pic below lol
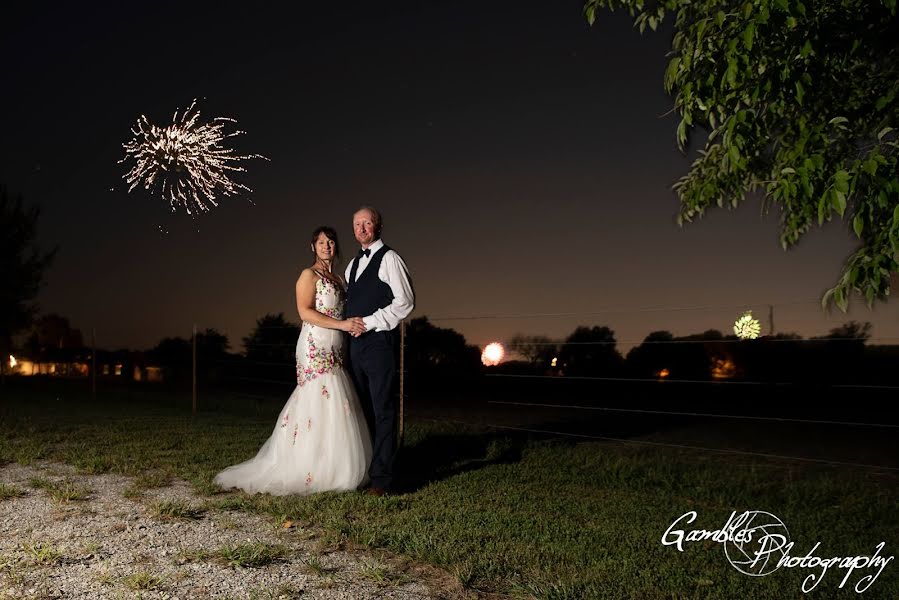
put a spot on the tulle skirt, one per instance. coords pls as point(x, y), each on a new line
point(320, 443)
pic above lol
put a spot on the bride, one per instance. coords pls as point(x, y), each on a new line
point(320, 441)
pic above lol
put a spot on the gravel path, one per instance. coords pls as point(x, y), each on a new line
point(54, 544)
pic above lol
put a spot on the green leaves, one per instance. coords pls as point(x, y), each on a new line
point(838, 200)
point(765, 79)
point(870, 166)
point(841, 181)
point(806, 49)
point(749, 35)
point(682, 133)
point(671, 73)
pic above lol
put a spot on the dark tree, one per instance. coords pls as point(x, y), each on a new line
point(432, 350)
point(212, 344)
point(538, 350)
point(213, 359)
point(22, 267)
point(780, 358)
point(652, 356)
point(690, 357)
point(590, 351)
point(270, 349)
point(53, 331)
point(851, 331)
point(174, 355)
point(839, 355)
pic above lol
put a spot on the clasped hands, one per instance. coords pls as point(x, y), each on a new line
point(354, 326)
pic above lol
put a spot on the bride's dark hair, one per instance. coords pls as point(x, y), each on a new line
point(331, 235)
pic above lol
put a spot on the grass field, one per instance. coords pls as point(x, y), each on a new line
point(517, 515)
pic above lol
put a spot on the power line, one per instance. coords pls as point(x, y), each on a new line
point(610, 310)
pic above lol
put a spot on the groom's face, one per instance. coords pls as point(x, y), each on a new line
point(364, 227)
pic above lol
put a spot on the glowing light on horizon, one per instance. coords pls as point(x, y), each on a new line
point(493, 354)
point(186, 162)
point(723, 368)
point(747, 328)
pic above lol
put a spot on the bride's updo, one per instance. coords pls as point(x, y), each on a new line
point(331, 235)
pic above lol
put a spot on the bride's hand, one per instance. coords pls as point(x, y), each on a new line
point(354, 326)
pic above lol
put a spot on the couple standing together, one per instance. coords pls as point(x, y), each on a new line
point(338, 428)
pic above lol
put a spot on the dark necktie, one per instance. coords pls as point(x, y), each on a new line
point(366, 253)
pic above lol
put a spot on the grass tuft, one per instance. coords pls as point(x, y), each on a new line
point(40, 483)
point(315, 567)
point(43, 553)
point(61, 491)
point(252, 555)
point(68, 491)
point(10, 491)
point(176, 509)
point(143, 581)
point(381, 574)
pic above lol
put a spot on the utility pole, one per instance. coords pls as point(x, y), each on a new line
point(771, 319)
point(94, 363)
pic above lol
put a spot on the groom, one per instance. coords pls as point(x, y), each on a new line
point(379, 291)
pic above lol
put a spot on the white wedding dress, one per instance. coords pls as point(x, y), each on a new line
point(321, 441)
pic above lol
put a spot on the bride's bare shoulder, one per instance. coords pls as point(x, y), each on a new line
point(308, 275)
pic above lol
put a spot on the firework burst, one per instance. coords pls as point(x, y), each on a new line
point(746, 327)
point(493, 354)
point(186, 162)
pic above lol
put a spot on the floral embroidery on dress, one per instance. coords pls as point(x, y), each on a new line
point(286, 419)
point(321, 361)
point(296, 427)
point(346, 407)
point(309, 424)
point(335, 312)
point(309, 478)
point(325, 391)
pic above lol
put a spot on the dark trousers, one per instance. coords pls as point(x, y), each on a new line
point(373, 361)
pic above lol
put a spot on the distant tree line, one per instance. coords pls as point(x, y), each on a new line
point(432, 353)
point(842, 355)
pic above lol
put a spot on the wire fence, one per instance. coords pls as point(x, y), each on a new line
point(266, 363)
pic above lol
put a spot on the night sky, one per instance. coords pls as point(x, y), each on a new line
point(521, 160)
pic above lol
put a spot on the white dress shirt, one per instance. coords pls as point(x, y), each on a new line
point(394, 273)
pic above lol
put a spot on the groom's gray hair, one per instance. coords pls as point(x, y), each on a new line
point(375, 215)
